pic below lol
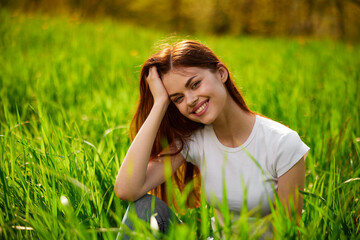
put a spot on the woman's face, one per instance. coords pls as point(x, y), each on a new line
point(198, 93)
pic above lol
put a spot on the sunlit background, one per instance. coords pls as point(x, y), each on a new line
point(69, 78)
point(316, 18)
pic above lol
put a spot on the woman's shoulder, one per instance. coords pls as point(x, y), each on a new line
point(281, 136)
point(277, 134)
point(273, 127)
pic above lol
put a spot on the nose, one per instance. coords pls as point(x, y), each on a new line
point(191, 99)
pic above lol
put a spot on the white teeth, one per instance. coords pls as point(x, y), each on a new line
point(201, 108)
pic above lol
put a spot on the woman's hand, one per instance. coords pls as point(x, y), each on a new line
point(157, 88)
point(136, 175)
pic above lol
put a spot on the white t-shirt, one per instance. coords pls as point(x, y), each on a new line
point(274, 147)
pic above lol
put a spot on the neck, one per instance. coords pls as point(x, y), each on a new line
point(233, 126)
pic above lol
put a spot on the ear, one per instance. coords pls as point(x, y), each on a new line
point(223, 72)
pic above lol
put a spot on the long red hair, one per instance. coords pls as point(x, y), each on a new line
point(174, 126)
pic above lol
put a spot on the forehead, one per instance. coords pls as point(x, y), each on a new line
point(183, 72)
point(176, 78)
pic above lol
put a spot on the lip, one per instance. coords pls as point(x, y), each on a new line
point(199, 105)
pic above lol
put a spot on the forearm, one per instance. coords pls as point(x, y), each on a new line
point(288, 189)
point(132, 173)
point(295, 202)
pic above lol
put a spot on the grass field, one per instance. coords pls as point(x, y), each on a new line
point(68, 91)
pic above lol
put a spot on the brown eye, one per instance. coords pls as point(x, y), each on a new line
point(195, 85)
point(178, 99)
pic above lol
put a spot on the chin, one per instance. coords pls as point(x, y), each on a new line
point(205, 121)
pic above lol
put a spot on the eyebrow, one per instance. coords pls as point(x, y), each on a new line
point(186, 85)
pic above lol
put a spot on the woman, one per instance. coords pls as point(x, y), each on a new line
point(188, 98)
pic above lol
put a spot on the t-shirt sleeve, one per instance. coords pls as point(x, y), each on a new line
point(290, 150)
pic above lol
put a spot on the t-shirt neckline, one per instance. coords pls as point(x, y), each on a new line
point(239, 148)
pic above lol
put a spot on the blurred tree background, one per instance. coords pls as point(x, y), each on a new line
point(338, 19)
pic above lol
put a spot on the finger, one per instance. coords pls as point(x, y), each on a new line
point(155, 73)
point(152, 71)
point(148, 73)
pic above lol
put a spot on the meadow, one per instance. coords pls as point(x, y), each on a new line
point(68, 89)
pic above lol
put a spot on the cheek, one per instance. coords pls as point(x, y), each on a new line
point(220, 90)
point(212, 89)
point(182, 109)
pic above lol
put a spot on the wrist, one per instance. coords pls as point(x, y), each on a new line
point(162, 103)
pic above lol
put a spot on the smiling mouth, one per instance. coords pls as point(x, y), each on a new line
point(200, 109)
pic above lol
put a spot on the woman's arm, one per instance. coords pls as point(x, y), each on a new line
point(136, 175)
point(289, 184)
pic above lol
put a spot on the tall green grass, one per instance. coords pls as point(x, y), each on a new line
point(69, 88)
